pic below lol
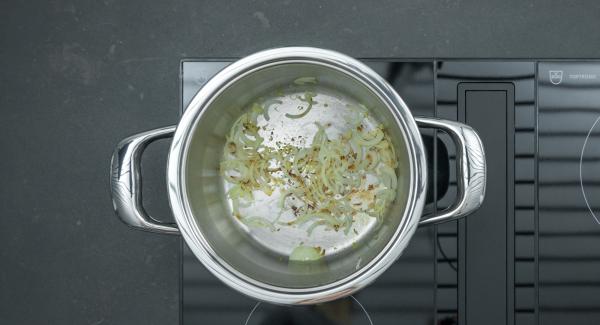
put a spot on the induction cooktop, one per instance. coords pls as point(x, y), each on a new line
point(530, 255)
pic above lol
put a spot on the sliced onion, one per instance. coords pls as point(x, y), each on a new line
point(312, 227)
point(258, 222)
point(323, 178)
point(389, 177)
point(308, 97)
point(267, 105)
point(306, 253)
point(305, 80)
point(369, 139)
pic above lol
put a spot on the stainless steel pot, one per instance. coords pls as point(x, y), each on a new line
point(203, 214)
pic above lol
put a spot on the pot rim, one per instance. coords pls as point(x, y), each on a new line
point(200, 245)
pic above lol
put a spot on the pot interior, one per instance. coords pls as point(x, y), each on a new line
point(262, 254)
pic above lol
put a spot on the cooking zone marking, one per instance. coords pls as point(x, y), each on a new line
point(580, 170)
point(353, 298)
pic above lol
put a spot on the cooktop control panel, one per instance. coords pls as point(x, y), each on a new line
point(530, 255)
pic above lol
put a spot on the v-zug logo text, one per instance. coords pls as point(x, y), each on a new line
point(556, 76)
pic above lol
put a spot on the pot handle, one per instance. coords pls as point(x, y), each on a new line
point(471, 169)
point(126, 181)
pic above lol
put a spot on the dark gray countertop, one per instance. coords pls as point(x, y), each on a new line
point(77, 76)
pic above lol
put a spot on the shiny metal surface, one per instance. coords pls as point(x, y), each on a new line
point(126, 182)
point(404, 294)
point(198, 201)
point(471, 169)
point(212, 237)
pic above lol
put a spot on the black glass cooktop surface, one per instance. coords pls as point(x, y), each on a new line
point(569, 193)
point(530, 255)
